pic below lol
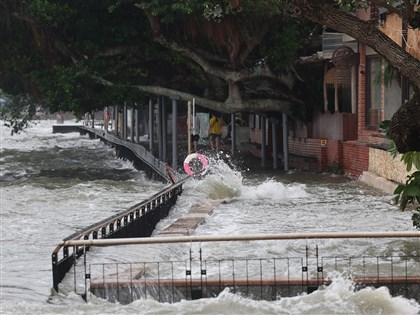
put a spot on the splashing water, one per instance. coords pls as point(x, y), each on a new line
point(340, 297)
point(43, 201)
point(225, 182)
point(222, 182)
point(271, 189)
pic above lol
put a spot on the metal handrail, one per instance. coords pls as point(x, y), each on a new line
point(122, 223)
point(138, 150)
point(249, 237)
point(98, 225)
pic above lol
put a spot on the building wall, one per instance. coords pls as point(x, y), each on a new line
point(393, 28)
point(356, 158)
point(255, 136)
point(384, 165)
point(314, 154)
point(413, 42)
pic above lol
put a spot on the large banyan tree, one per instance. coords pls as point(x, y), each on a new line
point(231, 56)
point(244, 51)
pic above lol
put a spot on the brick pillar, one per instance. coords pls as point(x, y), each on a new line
point(361, 95)
point(323, 158)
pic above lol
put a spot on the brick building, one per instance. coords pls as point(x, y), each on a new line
point(357, 98)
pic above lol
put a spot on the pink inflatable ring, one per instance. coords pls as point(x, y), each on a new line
point(191, 157)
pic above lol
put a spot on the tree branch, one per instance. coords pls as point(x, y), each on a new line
point(227, 107)
point(229, 76)
point(115, 51)
point(365, 33)
point(404, 14)
point(254, 40)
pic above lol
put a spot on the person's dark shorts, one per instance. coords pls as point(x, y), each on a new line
point(195, 137)
point(215, 135)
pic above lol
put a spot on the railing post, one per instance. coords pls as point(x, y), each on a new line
point(87, 276)
point(74, 267)
point(56, 279)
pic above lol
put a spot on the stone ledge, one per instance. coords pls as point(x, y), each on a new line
point(378, 182)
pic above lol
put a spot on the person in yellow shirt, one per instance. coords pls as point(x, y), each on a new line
point(215, 131)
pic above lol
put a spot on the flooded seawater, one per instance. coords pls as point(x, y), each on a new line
point(53, 185)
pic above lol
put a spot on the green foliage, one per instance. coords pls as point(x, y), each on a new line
point(63, 51)
point(409, 194)
point(282, 44)
point(411, 159)
point(171, 10)
point(384, 127)
point(50, 14)
point(387, 75)
point(416, 218)
point(18, 113)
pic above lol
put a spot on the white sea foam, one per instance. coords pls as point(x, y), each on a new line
point(271, 189)
point(337, 298)
point(37, 217)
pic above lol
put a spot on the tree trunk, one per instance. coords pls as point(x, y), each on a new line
point(404, 127)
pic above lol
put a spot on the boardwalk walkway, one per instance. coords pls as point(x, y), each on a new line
point(189, 222)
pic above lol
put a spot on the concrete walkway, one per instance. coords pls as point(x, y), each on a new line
point(189, 222)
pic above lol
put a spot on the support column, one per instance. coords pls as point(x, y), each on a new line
point(361, 96)
point(274, 139)
point(233, 133)
point(150, 126)
point(116, 119)
point(125, 122)
point(159, 126)
point(137, 115)
point(263, 135)
point(189, 126)
point(354, 89)
point(285, 143)
point(164, 131)
point(174, 133)
point(132, 124)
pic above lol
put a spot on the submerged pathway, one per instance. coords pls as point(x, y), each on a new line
point(189, 222)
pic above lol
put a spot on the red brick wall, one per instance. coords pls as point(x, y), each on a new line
point(356, 158)
point(305, 147)
point(255, 136)
point(307, 153)
point(324, 156)
point(335, 152)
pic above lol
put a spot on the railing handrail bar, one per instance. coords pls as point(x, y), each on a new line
point(116, 140)
point(111, 219)
point(249, 237)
